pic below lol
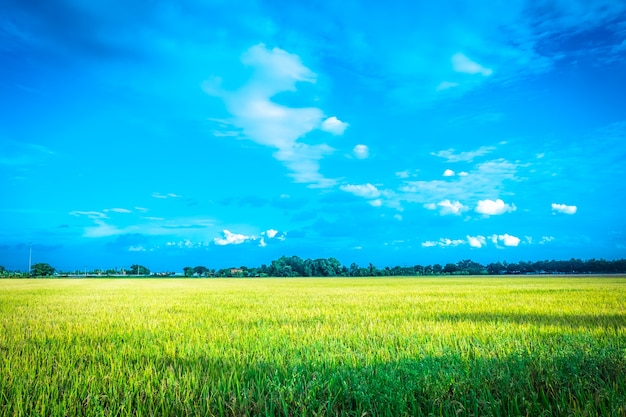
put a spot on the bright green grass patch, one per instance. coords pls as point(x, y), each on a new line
point(390, 347)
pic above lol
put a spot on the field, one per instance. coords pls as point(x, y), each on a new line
point(385, 347)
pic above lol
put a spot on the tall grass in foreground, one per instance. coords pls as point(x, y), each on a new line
point(388, 347)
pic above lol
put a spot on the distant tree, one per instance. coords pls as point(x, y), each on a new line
point(188, 271)
point(450, 269)
point(437, 269)
point(138, 270)
point(495, 268)
point(41, 270)
point(2, 270)
point(470, 267)
point(202, 271)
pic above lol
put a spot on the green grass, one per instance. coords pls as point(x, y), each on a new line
point(358, 347)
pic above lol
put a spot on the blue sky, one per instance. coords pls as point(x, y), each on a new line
point(174, 133)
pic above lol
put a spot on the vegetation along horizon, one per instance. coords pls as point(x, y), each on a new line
point(480, 346)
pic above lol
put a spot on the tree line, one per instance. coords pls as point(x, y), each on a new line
point(294, 266)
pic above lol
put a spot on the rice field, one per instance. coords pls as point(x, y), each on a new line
point(282, 347)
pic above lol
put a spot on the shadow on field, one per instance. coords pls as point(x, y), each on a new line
point(153, 382)
point(562, 320)
point(566, 384)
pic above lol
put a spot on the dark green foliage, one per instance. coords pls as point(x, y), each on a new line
point(138, 270)
point(41, 270)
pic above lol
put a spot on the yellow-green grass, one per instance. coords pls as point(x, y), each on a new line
point(402, 346)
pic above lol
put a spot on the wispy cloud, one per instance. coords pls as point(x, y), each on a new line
point(461, 63)
point(118, 210)
point(276, 125)
point(447, 207)
point(15, 153)
point(364, 190)
point(89, 214)
point(486, 180)
point(361, 151)
point(164, 196)
point(451, 155)
point(443, 242)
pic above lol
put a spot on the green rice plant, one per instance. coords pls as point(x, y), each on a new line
point(379, 347)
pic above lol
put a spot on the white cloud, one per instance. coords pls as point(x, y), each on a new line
point(476, 241)
point(565, 209)
point(508, 240)
point(271, 233)
point(451, 156)
point(398, 217)
point(443, 242)
point(448, 173)
point(118, 210)
point(546, 239)
point(494, 208)
point(407, 173)
point(231, 238)
point(334, 126)
point(90, 214)
point(303, 161)
point(485, 180)
point(447, 207)
point(463, 174)
point(361, 151)
point(141, 209)
point(262, 243)
point(137, 248)
point(364, 190)
point(376, 203)
point(164, 196)
point(461, 63)
point(275, 125)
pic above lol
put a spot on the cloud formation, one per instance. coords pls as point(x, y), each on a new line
point(164, 196)
point(506, 239)
point(480, 241)
point(334, 126)
point(230, 238)
point(451, 155)
point(461, 63)
point(278, 126)
point(494, 208)
point(365, 190)
point(361, 151)
point(447, 207)
point(476, 241)
point(563, 208)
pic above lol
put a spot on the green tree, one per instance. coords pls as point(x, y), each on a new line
point(188, 271)
point(202, 271)
point(41, 270)
point(450, 269)
point(138, 270)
